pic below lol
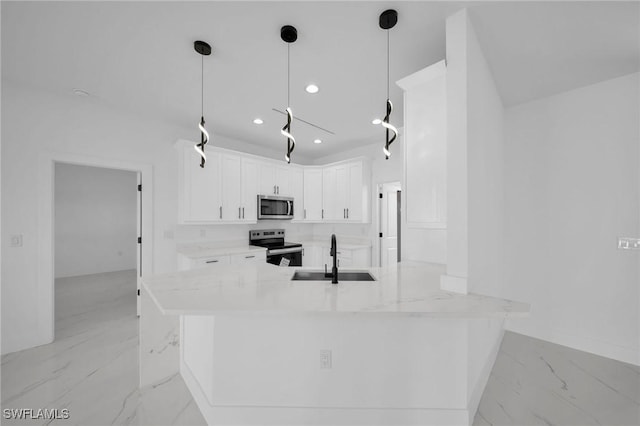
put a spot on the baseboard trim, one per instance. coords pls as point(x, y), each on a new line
point(593, 346)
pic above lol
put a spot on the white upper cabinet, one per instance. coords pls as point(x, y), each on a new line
point(226, 189)
point(232, 187)
point(425, 147)
point(329, 198)
point(276, 179)
point(250, 189)
point(296, 176)
point(312, 194)
point(345, 192)
point(200, 196)
point(358, 197)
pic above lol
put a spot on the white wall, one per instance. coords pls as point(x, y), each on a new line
point(95, 220)
point(572, 165)
point(37, 121)
point(474, 164)
point(485, 145)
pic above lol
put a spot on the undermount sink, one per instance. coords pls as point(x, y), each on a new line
point(342, 276)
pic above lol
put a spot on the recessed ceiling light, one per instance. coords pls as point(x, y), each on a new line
point(258, 121)
point(376, 121)
point(317, 141)
point(80, 92)
point(312, 88)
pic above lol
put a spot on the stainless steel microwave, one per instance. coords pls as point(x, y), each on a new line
point(274, 207)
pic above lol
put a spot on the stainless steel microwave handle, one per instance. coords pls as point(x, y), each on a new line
point(289, 207)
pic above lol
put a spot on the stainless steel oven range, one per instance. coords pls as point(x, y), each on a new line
point(277, 247)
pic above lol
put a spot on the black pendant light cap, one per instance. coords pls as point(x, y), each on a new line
point(388, 19)
point(202, 47)
point(288, 33)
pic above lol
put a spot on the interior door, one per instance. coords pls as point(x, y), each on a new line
point(389, 221)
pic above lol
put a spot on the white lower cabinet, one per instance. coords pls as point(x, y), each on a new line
point(311, 256)
point(210, 261)
point(318, 255)
point(249, 258)
point(252, 257)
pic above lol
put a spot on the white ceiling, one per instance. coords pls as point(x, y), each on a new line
point(139, 57)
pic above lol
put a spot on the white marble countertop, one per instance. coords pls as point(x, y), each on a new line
point(200, 250)
point(410, 289)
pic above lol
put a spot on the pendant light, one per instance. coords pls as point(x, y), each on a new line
point(288, 34)
point(388, 20)
point(203, 49)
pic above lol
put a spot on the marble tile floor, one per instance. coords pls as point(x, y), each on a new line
point(92, 369)
point(92, 366)
point(534, 382)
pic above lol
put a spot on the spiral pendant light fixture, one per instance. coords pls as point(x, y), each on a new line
point(388, 20)
point(288, 34)
point(203, 49)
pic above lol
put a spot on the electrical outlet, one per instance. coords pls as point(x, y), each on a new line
point(627, 243)
point(16, 240)
point(325, 359)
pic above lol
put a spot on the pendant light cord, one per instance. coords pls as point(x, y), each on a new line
point(387, 64)
point(202, 85)
point(288, 74)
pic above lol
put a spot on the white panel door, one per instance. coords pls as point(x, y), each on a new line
point(250, 189)
point(232, 188)
point(389, 224)
point(329, 197)
point(202, 186)
point(312, 194)
point(357, 194)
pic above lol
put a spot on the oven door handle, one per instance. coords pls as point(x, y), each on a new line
point(284, 251)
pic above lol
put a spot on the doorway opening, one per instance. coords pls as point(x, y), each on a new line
point(97, 250)
point(390, 223)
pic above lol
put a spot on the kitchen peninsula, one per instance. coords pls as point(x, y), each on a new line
point(258, 348)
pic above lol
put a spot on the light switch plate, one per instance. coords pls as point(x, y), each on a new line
point(627, 243)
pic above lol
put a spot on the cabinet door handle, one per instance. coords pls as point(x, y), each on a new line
point(212, 261)
point(249, 257)
point(278, 190)
point(305, 213)
point(243, 212)
point(220, 212)
point(274, 189)
point(238, 212)
point(347, 213)
point(344, 213)
point(303, 251)
point(322, 214)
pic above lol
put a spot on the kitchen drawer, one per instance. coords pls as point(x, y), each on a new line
point(211, 261)
point(255, 257)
